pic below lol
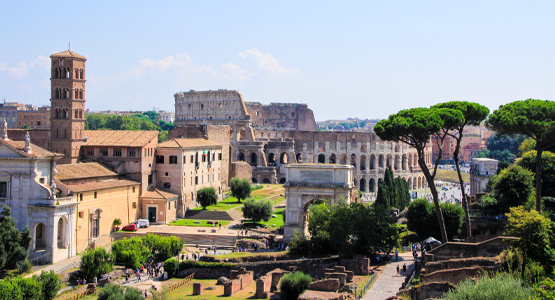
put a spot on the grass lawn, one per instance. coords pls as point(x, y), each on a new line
point(263, 193)
point(270, 255)
point(186, 291)
point(451, 176)
point(203, 223)
point(273, 221)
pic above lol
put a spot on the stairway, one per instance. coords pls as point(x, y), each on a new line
point(236, 214)
point(208, 215)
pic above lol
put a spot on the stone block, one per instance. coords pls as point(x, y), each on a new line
point(350, 275)
point(339, 269)
point(197, 288)
point(330, 285)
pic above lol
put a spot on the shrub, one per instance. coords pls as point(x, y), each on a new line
point(95, 263)
point(135, 251)
point(170, 266)
point(117, 292)
point(51, 284)
point(499, 286)
point(256, 187)
point(201, 264)
point(24, 266)
point(293, 284)
point(544, 290)
point(30, 288)
point(257, 211)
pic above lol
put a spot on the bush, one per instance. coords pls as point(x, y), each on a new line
point(293, 284)
point(19, 288)
point(499, 286)
point(117, 292)
point(51, 283)
point(30, 288)
point(544, 290)
point(170, 266)
point(24, 266)
point(95, 263)
point(135, 251)
point(257, 211)
point(201, 264)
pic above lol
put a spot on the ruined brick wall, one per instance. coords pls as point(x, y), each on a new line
point(241, 169)
point(434, 266)
point(238, 280)
point(433, 290)
point(329, 285)
point(315, 267)
point(452, 250)
point(455, 276)
point(215, 133)
point(263, 286)
point(39, 137)
point(281, 116)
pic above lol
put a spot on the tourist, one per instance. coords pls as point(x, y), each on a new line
point(95, 281)
point(405, 269)
point(396, 255)
point(214, 250)
point(255, 246)
point(146, 294)
point(398, 270)
point(220, 224)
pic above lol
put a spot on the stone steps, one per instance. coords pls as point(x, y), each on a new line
point(236, 214)
point(208, 215)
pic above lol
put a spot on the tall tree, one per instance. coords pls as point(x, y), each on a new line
point(240, 188)
point(383, 197)
point(414, 127)
point(13, 243)
point(206, 197)
point(531, 117)
point(528, 161)
point(474, 114)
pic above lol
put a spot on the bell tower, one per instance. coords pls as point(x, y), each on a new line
point(67, 103)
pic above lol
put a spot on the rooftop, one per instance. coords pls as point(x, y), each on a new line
point(67, 53)
point(187, 143)
point(158, 193)
point(36, 151)
point(122, 138)
point(83, 170)
point(101, 185)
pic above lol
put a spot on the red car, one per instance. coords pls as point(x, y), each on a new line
point(130, 227)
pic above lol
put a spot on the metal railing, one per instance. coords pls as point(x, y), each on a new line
point(368, 284)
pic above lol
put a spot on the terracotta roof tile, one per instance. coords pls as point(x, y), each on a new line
point(83, 170)
point(36, 151)
point(67, 53)
point(158, 193)
point(122, 138)
point(101, 185)
point(187, 143)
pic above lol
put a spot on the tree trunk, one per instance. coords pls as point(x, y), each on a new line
point(461, 182)
point(433, 189)
point(539, 177)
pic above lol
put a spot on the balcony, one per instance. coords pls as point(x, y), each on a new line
point(53, 202)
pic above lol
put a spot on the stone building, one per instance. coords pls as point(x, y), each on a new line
point(481, 169)
point(183, 166)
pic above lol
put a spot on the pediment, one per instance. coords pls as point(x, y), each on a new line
point(8, 151)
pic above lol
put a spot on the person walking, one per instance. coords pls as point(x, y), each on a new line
point(396, 255)
point(398, 269)
point(405, 269)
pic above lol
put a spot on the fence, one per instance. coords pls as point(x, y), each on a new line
point(366, 286)
point(415, 272)
point(77, 294)
point(173, 286)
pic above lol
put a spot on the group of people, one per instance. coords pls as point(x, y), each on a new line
point(402, 271)
point(153, 270)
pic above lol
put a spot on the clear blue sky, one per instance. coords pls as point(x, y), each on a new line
point(355, 59)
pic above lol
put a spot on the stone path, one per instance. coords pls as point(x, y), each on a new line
point(389, 282)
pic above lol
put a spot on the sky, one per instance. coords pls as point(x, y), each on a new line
point(364, 59)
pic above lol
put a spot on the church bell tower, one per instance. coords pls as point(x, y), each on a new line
point(67, 102)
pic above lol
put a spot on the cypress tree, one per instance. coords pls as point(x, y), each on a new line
point(383, 194)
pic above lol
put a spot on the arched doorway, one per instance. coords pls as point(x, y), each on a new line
point(272, 159)
point(372, 162)
point(282, 180)
point(363, 162)
point(254, 180)
point(380, 161)
point(354, 160)
point(397, 164)
point(40, 237)
point(321, 159)
point(362, 189)
point(371, 185)
point(332, 158)
point(299, 158)
point(61, 233)
point(95, 224)
point(265, 180)
point(343, 159)
point(284, 158)
point(241, 156)
point(254, 159)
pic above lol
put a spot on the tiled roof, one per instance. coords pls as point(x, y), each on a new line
point(187, 143)
point(83, 170)
point(101, 185)
point(158, 193)
point(122, 138)
point(36, 151)
point(67, 53)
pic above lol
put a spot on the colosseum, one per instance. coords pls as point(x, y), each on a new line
point(270, 136)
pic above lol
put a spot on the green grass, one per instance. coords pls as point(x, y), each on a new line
point(233, 255)
point(186, 291)
point(263, 193)
point(203, 223)
point(277, 221)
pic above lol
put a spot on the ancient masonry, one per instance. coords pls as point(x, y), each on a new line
point(268, 137)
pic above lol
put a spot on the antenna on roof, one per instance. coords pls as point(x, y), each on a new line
point(69, 46)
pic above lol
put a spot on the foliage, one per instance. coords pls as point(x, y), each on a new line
point(544, 290)
point(511, 143)
point(51, 283)
point(202, 264)
point(135, 251)
point(95, 263)
point(535, 236)
point(117, 292)
point(528, 161)
point(13, 243)
point(170, 266)
point(422, 220)
point(207, 196)
point(534, 118)
point(293, 284)
point(499, 286)
point(393, 192)
point(240, 188)
point(117, 222)
point(162, 247)
point(146, 121)
point(348, 229)
point(24, 266)
point(513, 186)
point(257, 210)
point(257, 187)
point(501, 155)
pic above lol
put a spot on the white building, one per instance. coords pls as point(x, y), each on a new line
point(481, 169)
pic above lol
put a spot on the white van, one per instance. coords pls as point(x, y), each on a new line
point(142, 223)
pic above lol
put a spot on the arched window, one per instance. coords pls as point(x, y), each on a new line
point(95, 223)
point(321, 159)
point(61, 233)
point(40, 237)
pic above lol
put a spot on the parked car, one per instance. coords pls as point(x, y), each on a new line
point(445, 188)
point(143, 223)
point(130, 227)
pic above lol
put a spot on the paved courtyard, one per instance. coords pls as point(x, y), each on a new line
point(389, 282)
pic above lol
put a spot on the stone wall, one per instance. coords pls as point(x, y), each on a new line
point(360, 265)
point(452, 250)
point(205, 273)
point(39, 137)
point(281, 116)
point(434, 266)
point(241, 169)
point(315, 267)
point(268, 283)
point(238, 280)
point(329, 285)
point(455, 276)
point(431, 290)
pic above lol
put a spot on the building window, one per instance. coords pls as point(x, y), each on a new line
point(130, 152)
point(95, 195)
point(133, 189)
point(81, 197)
point(117, 152)
point(38, 123)
point(169, 206)
point(90, 152)
point(81, 214)
point(219, 156)
point(3, 189)
point(167, 185)
point(95, 220)
point(173, 159)
point(159, 159)
point(167, 174)
point(41, 180)
point(192, 156)
point(196, 179)
point(134, 204)
point(203, 157)
point(184, 159)
point(103, 151)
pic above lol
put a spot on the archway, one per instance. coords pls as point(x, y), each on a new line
point(282, 180)
point(409, 183)
point(61, 233)
point(265, 180)
point(397, 148)
point(397, 164)
point(354, 160)
point(404, 162)
point(371, 185)
point(40, 236)
point(332, 158)
point(388, 161)
point(343, 159)
point(241, 156)
point(254, 180)
point(95, 224)
point(272, 159)
point(299, 158)
point(380, 161)
point(321, 158)
point(363, 162)
point(355, 182)
point(254, 159)
point(284, 158)
point(372, 162)
point(362, 189)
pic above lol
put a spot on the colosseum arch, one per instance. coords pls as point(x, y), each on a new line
point(353, 160)
point(389, 161)
point(299, 158)
point(381, 161)
point(397, 148)
point(363, 162)
point(271, 159)
point(343, 159)
point(371, 185)
point(333, 159)
point(321, 158)
point(362, 187)
point(397, 164)
point(404, 162)
point(372, 162)
point(284, 158)
point(254, 159)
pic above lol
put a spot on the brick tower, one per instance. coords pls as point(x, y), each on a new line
point(67, 104)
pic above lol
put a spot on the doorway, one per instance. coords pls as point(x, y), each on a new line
point(152, 214)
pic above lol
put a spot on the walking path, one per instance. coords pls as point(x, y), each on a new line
point(389, 282)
